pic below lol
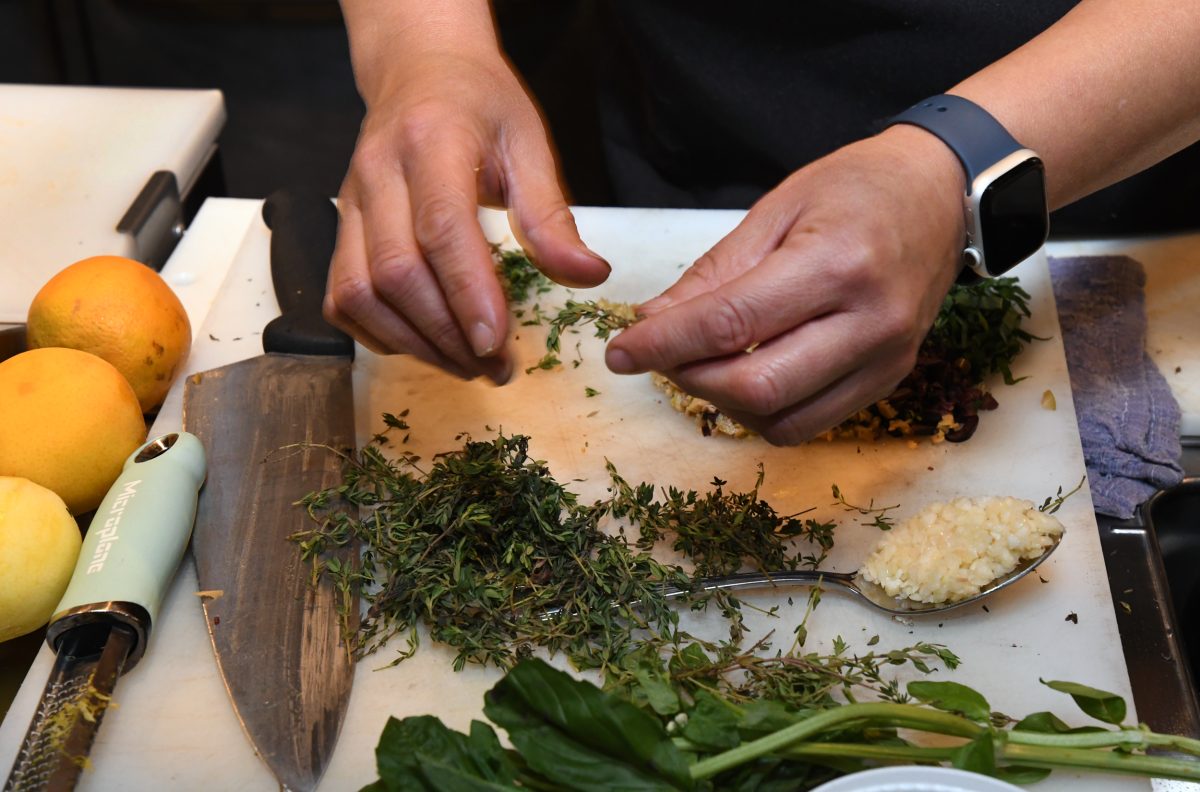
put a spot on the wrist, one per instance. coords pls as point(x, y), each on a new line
point(391, 40)
point(936, 158)
point(938, 184)
point(1005, 206)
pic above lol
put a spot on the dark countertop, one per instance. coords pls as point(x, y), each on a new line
point(1154, 624)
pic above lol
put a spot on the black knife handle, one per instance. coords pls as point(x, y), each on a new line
point(303, 232)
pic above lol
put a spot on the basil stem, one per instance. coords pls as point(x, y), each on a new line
point(881, 713)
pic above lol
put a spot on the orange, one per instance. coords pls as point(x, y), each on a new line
point(120, 310)
point(39, 545)
point(68, 420)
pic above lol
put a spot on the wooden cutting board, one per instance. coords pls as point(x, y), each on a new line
point(175, 729)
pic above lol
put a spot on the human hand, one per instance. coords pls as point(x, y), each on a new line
point(832, 280)
point(412, 272)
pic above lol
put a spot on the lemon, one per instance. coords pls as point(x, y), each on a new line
point(120, 310)
point(68, 420)
point(39, 544)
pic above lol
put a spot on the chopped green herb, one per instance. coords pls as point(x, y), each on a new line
point(481, 543)
point(606, 318)
point(518, 276)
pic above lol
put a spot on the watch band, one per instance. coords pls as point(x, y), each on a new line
point(972, 133)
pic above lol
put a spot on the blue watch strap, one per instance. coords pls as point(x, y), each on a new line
point(972, 133)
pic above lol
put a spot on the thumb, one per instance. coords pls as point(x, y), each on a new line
point(543, 224)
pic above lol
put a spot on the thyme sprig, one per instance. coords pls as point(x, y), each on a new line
point(606, 319)
point(1055, 502)
point(880, 520)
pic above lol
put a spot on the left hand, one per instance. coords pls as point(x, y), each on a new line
point(831, 281)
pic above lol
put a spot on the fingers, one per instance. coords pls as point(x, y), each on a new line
point(823, 410)
point(541, 220)
point(802, 379)
point(760, 232)
point(784, 290)
point(382, 292)
point(441, 182)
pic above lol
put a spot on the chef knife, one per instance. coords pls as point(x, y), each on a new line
point(100, 628)
point(273, 426)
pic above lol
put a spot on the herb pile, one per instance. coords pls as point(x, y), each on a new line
point(977, 333)
point(569, 735)
point(481, 544)
point(491, 555)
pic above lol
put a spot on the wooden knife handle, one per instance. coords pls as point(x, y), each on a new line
point(303, 232)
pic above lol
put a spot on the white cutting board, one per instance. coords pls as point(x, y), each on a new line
point(1172, 265)
point(174, 728)
point(73, 159)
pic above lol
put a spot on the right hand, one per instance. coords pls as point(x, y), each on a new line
point(412, 272)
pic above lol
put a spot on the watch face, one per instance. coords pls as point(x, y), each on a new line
point(1012, 216)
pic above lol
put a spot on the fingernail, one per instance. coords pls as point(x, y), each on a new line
point(599, 258)
point(619, 361)
point(504, 374)
point(657, 304)
point(483, 339)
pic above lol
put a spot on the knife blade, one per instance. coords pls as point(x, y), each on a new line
point(269, 424)
point(101, 626)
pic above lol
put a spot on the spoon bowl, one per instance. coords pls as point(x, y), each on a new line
point(854, 583)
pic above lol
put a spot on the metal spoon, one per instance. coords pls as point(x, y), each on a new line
point(870, 592)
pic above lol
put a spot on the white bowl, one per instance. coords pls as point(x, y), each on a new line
point(915, 778)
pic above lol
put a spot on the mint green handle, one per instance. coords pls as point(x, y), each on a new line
point(141, 529)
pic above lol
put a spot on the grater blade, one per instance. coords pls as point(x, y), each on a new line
point(90, 660)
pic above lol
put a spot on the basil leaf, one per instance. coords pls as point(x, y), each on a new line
point(771, 775)
point(445, 778)
point(579, 736)
point(1021, 775)
point(712, 724)
point(1099, 704)
point(1044, 722)
point(570, 765)
point(764, 715)
point(952, 697)
point(656, 692)
point(978, 756)
point(409, 748)
point(1048, 723)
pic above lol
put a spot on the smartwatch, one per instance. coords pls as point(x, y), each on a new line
point(1005, 202)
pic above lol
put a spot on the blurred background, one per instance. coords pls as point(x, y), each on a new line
point(284, 68)
point(293, 111)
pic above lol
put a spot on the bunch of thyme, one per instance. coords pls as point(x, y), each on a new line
point(670, 679)
point(481, 545)
point(722, 532)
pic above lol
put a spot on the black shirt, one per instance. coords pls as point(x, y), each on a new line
point(711, 103)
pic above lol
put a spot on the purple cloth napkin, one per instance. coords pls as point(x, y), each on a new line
point(1128, 418)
